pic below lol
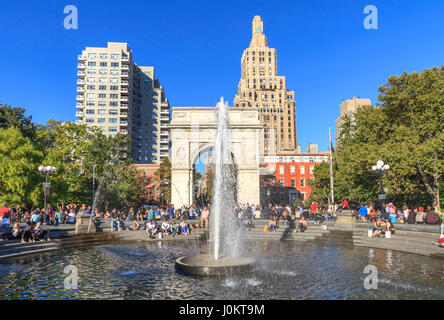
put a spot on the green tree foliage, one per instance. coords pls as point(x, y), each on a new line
point(406, 131)
point(320, 185)
point(15, 117)
point(19, 159)
point(74, 150)
point(163, 177)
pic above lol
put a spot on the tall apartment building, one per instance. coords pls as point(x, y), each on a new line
point(118, 96)
point(261, 88)
point(348, 107)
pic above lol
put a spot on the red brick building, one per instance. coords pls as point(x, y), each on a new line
point(147, 171)
point(292, 171)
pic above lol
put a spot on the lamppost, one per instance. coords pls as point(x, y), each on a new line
point(47, 171)
point(381, 168)
point(94, 183)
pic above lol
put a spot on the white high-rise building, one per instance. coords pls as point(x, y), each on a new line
point(118, 96)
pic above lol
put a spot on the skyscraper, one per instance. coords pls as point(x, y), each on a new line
point(261, 88)
point(348, 107)
point(118, 96)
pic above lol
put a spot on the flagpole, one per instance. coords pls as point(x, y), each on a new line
point(332, 197)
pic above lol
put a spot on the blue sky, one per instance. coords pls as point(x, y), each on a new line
point(322, 47)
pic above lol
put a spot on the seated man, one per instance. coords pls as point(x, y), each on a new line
point(166, 227)
point(302, 225)
point(151, 229)
point(115, 219)
point(175, 229)
point(40, 234)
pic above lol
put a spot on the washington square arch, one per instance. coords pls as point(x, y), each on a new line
point(193, 130)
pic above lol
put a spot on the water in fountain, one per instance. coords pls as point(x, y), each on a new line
point(224, 226)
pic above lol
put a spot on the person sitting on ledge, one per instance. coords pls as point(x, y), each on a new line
point(151, 229)
point(15, 234)
point(184, 228)
point(40, 234)
point(302, 225)
point(166, 227)
point(175, 228)
point(377, 229)
point(389, 226)
point(272, 225)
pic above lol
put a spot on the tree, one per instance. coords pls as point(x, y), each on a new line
point(406, 131)
point(15, 117)
point(19, 176)
point(163, 176)
point(414, 103)
point(320, 185)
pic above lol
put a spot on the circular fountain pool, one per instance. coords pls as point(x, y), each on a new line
point(281, 271)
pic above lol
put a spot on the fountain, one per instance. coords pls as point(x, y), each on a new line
point(225, 230)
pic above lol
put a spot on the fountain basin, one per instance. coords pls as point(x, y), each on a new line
point(206, 265)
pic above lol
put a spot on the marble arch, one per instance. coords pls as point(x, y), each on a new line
point(192, 131)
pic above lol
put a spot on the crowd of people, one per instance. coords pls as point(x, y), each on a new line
point(168, 220)
point(418, 215)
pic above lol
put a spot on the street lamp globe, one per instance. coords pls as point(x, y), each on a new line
point(374, 168)
point(386, 167)
point(41, 168)
point(380, 164)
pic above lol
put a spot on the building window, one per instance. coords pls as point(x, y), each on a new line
point(114, 72)
point(90, 95)
point(112, 129)
point(113, 120)
point(91, 63)
point(103, 56)
point(102, 103)
point(103, 64)
point(102, 95)
point(114, 87)
point(113, 112)
point(102, 87)
point(113, 103)
point(311, 169)
point(293, 182)
point(302, 169)
point(281, 169)
point(292, 169)
point(114, 56)
point(89, 111)
point(89, 79)
point(302, 182)
point(114, 64)
point(91, 71)
point(91, 87)
point(89, 120)
point(91, 55)
point(101, 120)
point(281, 182)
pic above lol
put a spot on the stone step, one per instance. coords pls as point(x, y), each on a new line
point(26, 252)
point(409, 249)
